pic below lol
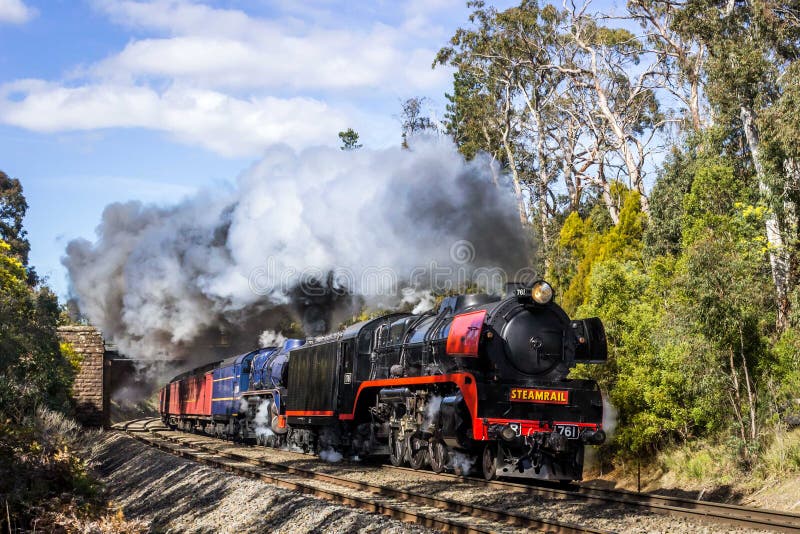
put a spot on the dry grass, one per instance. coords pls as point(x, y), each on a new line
point(782, 455)
point(714, 470)
point(45, 486)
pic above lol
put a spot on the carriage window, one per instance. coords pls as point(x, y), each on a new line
point(382, 338)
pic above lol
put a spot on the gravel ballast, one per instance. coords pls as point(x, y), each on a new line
point(612, 517)
point(178, 495)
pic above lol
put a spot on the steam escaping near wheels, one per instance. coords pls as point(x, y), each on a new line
point(306, 237)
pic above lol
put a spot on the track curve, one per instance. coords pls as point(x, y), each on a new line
point(148, 431)
point(409, 506)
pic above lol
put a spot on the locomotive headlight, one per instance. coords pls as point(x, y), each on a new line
point(542, 292)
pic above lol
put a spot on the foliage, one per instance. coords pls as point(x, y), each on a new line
point(663, 235)
point(413, 121)
point(12, 211)
point(349, 139)
point(588, 244)
point(34, 372)
point(684, 317)
point(43, 483)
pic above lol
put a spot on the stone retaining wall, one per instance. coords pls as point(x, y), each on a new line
point(89, 389)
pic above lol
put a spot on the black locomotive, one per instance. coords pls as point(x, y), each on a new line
point(481, 379)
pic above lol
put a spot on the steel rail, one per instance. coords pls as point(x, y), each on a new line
point(707, 511)
point(730, 514)
point(212, 455)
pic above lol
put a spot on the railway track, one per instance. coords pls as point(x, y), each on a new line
point(435, 512)
point(721, 513)
point(717, 513)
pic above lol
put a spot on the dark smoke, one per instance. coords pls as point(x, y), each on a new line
point(293, 242)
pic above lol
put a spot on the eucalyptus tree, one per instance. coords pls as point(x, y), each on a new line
point(619, 78)
point(474, 121)
point(505, 98)
point(413, 119)
point(681, 55)
point(752, 45)
point(482, 58)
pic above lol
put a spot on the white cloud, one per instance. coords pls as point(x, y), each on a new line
point(15, 12)
point(228, 48)
point(235, 83)
point(224, 124)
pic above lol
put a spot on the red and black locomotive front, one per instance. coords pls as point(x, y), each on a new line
point(517, 411)
point(534, 420)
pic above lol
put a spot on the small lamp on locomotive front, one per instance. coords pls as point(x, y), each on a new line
point(542, 292)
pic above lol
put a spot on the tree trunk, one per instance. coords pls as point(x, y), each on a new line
point(512, 164)
point(778, 252)
point(621, 143)
point(543, 181)
point(605, 191)
point(694, 83)
point(492, 168)
point(751, 401)
point(571, 179)
point(571, 182)
point(736, 397)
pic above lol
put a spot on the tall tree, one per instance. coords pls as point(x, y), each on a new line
point(751, 45)
point(682, 55)
point(505, 57)
point(619, 79)
point(13, 207)
point(413, 119)
point(349, 139)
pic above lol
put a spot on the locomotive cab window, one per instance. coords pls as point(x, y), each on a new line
point(363, 366)
point(347, 358)
point(365, 341)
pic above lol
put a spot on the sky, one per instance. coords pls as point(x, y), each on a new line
point(116, 100)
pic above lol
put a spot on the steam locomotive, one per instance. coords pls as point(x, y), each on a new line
point(481, 383)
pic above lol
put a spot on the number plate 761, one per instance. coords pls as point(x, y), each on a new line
point(568, 431)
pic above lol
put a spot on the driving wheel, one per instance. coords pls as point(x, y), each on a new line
point(437, 455)
point(490, 461)
point(397, 449)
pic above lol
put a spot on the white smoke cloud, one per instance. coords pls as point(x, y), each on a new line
point(271, 338)
point(163, 283)
point(422, 300)
point(432, 411)
point(461, 462)
point(330, 455)
point(263, 419)
point(610, 416)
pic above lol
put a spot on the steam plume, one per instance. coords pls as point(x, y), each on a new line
point(304, 237)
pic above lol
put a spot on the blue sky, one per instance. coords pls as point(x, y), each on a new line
point(113, 100)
